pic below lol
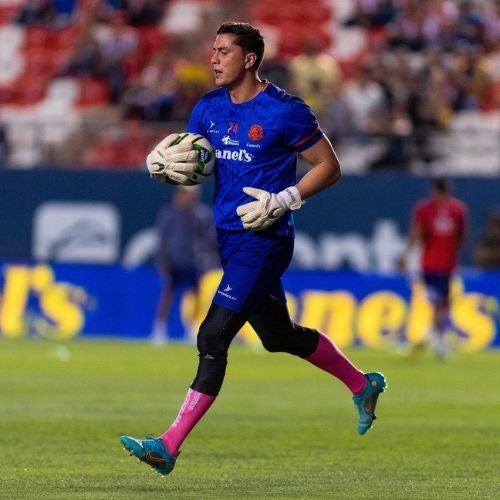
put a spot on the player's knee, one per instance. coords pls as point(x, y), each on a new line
point(274, 344)
point(296, 339)
point(210, 341)
point(217, 331)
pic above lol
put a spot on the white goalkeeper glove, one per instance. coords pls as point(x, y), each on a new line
point(269, 207)
point(170, 163)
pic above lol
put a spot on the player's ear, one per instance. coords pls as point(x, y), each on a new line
point(250, 59)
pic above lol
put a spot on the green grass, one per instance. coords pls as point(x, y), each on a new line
point(281, 428)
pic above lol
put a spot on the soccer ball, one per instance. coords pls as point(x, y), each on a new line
point(206, 162)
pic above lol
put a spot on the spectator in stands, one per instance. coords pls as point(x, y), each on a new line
point(4, 146)
point(186, 249)
point(487, 251)
point(144, 12)
point(372, 13)
point(115, 40)
point(492, 25)
point(84, 58)
point(336, 116)
point(397, 151)
point(169, 86)
point(36, 12)
point(274, 67)
point(312, 74)
point(151, 95)
point(469, 23)
point(408, 28)
point(472, 77)
point(366, 100)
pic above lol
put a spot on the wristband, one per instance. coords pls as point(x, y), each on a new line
point(289, 198)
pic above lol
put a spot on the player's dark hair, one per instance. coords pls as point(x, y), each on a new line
point(442, 185)
point(247, 37)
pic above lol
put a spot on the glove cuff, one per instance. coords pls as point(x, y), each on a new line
point(289, 198)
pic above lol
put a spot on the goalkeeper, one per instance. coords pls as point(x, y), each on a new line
point(258, 131)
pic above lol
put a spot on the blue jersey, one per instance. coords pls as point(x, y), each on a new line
point(257, 144)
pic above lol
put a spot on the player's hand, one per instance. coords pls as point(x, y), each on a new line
point(268, 207)
point(170, 163)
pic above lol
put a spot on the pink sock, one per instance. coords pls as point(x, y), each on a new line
point(194, 407)
point(328, 357)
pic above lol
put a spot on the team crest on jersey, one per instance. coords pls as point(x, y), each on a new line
point(256, 133)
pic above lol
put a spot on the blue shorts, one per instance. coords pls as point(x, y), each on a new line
point(438, 287)
point(253, 264)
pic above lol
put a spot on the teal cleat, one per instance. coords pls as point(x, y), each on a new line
point(366, 402)
point(151, 451)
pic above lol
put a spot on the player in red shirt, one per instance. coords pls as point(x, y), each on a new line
point(439, 226)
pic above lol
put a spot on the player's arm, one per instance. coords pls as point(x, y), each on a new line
point(325, 168)
point(414, 238)
point(268, 207)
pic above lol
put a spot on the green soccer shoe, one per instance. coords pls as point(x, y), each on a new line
point(151, 451)
point(366, 402)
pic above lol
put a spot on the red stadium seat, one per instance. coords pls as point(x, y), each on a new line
point(93, 92)
point(29, 89)
point(38, 60)
point(7, 13)
point(65, 38)
point(152, 39)
point(38, 36)
point(6, 94)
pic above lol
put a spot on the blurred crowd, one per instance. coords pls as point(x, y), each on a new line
point(424, 61)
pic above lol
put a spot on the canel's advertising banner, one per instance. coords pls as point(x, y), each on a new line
point(65, 301)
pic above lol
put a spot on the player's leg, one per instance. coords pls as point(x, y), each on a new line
point(159, 333)
point(279, 333)
point(438, 290)
point(215, 335)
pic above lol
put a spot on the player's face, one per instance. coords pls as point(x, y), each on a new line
point(228, 61)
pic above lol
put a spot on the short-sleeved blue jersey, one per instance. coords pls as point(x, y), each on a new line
point(257, 143)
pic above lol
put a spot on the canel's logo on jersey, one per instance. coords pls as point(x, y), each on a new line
point(229, 142)
point(238, 155)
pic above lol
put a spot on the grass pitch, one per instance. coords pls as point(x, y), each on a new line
point(281, 428)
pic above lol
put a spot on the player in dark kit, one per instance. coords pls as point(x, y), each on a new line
point(439, 226)
point(258, 130)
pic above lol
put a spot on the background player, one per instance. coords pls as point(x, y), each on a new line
point(258, 130)
point(186, 249)
point(439, 227)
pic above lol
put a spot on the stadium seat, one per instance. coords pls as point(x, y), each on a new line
point(29, 89)
point(38, 61)
point(7, 13)
point(93, 92)
point(6, 94)
point(11, 37)
point(38, 36)
point(63, 89)
point(152, 39)
point(66, 37)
